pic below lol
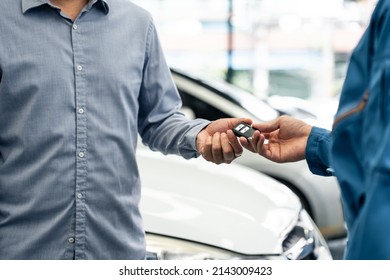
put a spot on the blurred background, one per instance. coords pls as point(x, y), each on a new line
point(294, 48)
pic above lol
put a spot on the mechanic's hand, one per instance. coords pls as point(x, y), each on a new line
point(217, 142)
point(281, 140)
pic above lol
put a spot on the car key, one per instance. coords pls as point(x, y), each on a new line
point(244, 130)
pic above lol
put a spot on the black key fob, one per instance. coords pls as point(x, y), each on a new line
point(244, 130)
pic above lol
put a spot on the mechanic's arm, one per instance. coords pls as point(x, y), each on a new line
point(287, 139)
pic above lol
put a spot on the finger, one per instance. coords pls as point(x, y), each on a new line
point(206, 149)
point(256, 142)
point(266, 135)
point(246, 144)
point(267, 126)
point(227, 149)
point(260, 147)
point(266, 152)
point(232, 137)
point(216, 148)
point(235, 144)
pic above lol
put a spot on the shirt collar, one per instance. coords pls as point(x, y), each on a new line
point(29, 4)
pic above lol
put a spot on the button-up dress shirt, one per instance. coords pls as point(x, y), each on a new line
point(73, 98)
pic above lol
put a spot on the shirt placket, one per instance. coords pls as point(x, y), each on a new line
point(81, 141)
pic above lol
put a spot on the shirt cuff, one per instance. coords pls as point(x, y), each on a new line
point(317, 152)
point(190, 150)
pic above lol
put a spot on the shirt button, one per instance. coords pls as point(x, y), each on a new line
point(71, 240)
point(79, 195)
point(74, 26)
point(79, 67)
point(81, 154)
point(81, 111)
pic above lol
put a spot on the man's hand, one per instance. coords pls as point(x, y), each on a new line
point(217, 142)
point(281, 140)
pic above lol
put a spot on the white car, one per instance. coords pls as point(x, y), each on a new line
point(320, 196)
point(196, 210)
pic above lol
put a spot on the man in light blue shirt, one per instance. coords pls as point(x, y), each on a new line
point(79, 80)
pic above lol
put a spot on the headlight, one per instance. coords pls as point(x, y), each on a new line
point(302, 242)
point(167, 248)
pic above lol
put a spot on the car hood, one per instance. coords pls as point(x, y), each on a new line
point(227, 206)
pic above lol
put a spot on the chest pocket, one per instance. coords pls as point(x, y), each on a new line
point(356, 110)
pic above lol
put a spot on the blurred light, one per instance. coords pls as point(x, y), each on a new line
point(183, 27)
point(290, 23)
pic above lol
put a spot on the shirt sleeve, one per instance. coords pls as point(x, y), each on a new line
point(160, 123)
point(318, 151)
